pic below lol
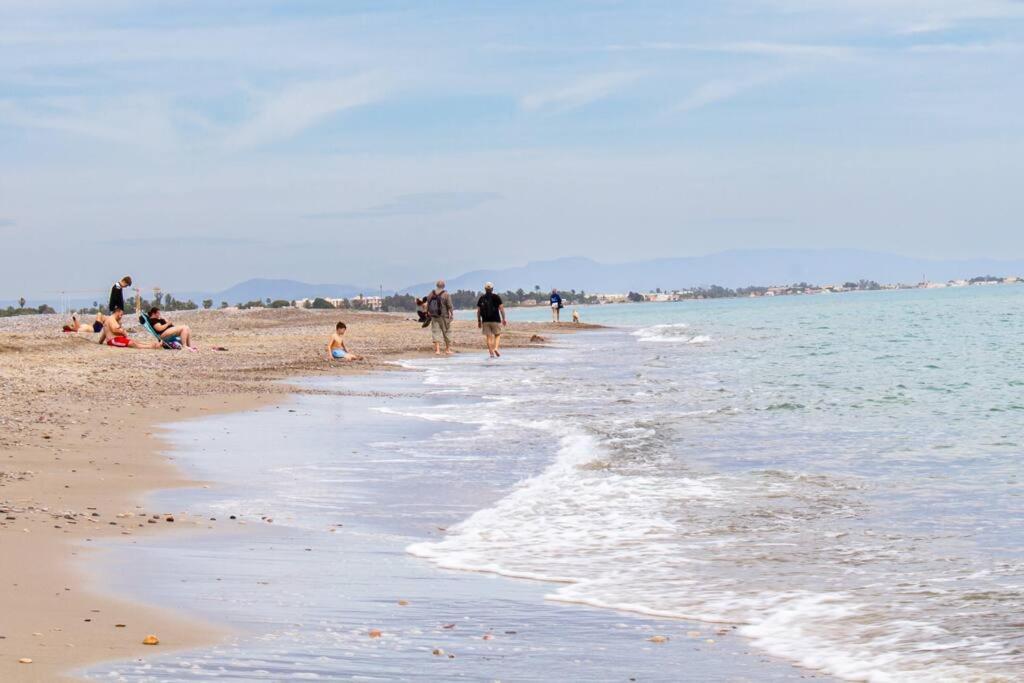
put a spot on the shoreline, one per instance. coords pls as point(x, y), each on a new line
point(334, 565)
point(82, 447)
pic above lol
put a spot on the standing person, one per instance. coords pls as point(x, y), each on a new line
point(556, 305)
point(117, 293)
point(490, 317)
point(441, 312)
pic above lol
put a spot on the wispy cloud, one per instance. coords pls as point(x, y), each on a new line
point(419, 204)
point(142, 120)
point(293, 109)
point(578, 93)
point(713, 92)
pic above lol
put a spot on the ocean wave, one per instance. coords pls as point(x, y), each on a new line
point(673, 333)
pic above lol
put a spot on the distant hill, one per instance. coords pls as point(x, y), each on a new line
point(736, 268)
point(259, 288)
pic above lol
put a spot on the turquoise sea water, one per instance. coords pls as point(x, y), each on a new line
point(837, 479)
point(841, 475)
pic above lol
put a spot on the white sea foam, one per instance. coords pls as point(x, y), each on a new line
point(673, 333)
point(619, 522)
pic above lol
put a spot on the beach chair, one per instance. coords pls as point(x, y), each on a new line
point(169, 343)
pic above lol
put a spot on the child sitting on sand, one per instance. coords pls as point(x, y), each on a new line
point(336, 348)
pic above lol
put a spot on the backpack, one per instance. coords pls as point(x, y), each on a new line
point(487, 308)
point(434, 306)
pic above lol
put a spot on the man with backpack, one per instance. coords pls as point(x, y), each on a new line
point(490, 317)
point(441, 312)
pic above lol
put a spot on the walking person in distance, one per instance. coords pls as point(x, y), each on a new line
point(556, 305)
point(490, 318)
point(441, 312)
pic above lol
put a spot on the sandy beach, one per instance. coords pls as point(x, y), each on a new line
point(80, 446)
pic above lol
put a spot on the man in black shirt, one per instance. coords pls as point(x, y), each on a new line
point(117, 293)
point(490, 317)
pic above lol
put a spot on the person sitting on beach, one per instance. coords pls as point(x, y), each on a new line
point(168, 331)
point(336, 348)
point(78, 326)
point(114, 335)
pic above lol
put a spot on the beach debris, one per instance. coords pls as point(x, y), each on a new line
point(24, 660)
point(169, 518)
point(658, 639)
point(150, 640)
point(488, 636)
point(537, 339)
point(375, 633)
point(119, 626)
point(710, 641)
point(693, 634)
point(438, 652)
point(448, 626)
point(403, 603)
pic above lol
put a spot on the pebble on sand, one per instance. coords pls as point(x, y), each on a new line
point(150, 640)
point(24, 660)
point(658, 639)
point(375, 633)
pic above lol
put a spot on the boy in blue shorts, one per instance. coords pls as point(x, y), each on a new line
point(336, 348)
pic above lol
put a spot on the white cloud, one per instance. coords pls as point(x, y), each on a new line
point(141, 120)
point(578, 93)
point(713, 92)
point(297, 107)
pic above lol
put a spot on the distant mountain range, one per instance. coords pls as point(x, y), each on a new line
point(736, 268)
point(260, 289)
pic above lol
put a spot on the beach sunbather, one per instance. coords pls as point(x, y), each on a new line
point(114, 335)
point(336, 348)
point(78, 326)
point(168, 331)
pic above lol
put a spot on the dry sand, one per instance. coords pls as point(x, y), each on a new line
point(79, 446)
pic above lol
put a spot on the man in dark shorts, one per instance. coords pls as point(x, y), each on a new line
point(490, 317)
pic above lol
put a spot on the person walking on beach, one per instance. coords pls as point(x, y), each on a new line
point(490, 317)
point(441, 312)
point(117, 293)
point(556, 305)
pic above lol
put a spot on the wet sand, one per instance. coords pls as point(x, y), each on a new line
point(319, 498)
point(80, 445)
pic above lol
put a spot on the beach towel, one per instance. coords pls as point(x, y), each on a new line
point(169, 343)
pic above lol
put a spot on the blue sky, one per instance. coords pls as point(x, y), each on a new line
point(195, 144)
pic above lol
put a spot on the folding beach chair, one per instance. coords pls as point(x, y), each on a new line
point(169, 343)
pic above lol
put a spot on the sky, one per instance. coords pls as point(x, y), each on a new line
point(197, 144)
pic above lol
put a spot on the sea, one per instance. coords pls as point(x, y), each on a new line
point(826, 485)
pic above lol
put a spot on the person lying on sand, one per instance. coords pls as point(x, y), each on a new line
point(78, 326)
point(336, 348)
point(168, 331)
point(114, 335)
